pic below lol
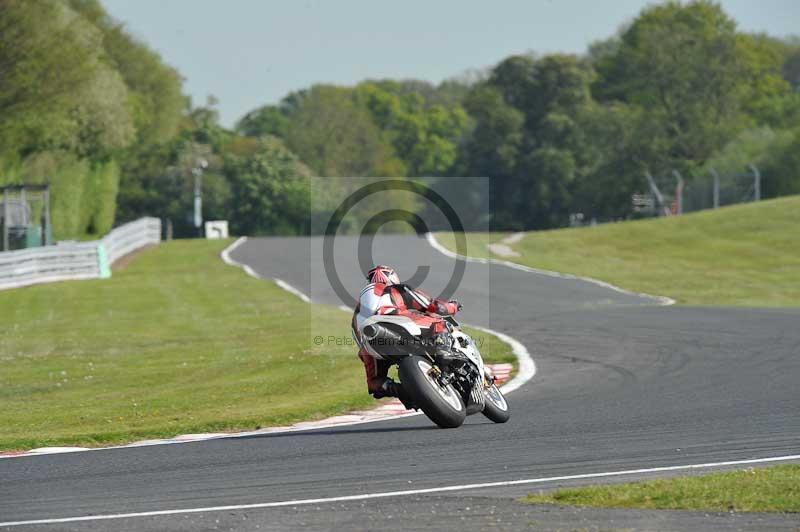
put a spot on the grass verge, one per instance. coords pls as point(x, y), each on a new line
point(177, 342)
point(746, 255)
point(771, 489)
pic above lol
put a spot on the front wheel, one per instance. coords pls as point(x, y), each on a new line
point(442, 404)
point(495, 406)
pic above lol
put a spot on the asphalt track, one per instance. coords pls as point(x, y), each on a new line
point(622, 384)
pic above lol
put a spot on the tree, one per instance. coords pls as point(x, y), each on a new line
point(266, 120)
point(691, 72)
point(45, 63)
point(155, 88)
point(336, 137)
point(623, 144)
point(157, 178)
point(791, 65)
point(528, 137)
point(494, 147)
point(270, 193)
point(424, 137)
point(780, 166)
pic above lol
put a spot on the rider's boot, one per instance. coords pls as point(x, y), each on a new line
point(389, 388)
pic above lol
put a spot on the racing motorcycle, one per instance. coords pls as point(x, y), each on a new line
point(441, 370)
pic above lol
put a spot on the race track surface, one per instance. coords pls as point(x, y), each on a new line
point(621, 384)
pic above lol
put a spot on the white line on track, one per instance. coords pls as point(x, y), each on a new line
point(527, 370)
point(661, 300)
point(385, 494)
point(527, 367)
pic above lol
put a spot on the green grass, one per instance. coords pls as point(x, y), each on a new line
point(772, 489)
point(178, 342)
point(747, 255)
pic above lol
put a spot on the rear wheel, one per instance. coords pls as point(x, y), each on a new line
point(442, 404)
point(496, 407)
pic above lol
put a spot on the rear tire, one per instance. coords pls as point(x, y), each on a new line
point(495, 406)
point(443, 406)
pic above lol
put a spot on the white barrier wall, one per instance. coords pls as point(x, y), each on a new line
point(131, 236)
point(78, 260)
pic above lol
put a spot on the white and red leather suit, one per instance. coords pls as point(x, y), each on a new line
point(384, 294)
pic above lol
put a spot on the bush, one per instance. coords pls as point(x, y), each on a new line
point(101, 198)
point(82, 196)
point(781, 170)
point(68, 177)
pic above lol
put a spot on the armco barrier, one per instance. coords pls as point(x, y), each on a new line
point(76, 260)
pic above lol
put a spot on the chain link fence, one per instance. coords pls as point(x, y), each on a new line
point(672, 194)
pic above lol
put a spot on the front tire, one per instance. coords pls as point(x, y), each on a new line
point(442, 405)
point(495, 406)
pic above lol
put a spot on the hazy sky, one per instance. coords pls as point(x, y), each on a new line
point(252, 52)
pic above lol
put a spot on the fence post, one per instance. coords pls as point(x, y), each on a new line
point(756, 182)
point(5, 219)
point(657, 194)
point(103, 267)
point(679, 191)
point(716, 187)
point(46, 225)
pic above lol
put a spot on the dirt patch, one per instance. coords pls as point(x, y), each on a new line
point(122, 262)
point(503, 249)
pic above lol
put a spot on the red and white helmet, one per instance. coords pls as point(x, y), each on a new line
point(381, 274)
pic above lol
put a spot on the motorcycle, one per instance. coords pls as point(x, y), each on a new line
point(440, 367)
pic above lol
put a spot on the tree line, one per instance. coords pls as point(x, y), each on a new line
point(89, 107)
point(677, 88)
point(78, 95)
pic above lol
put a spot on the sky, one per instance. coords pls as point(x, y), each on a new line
point(249, 53)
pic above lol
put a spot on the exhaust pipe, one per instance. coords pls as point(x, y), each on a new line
point(375, 331)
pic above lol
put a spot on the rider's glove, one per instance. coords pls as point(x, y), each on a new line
point(447, 309)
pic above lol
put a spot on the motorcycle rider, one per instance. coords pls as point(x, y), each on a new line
point(385, 294)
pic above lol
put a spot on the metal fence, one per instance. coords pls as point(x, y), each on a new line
point(76, 260)
point(671, 194)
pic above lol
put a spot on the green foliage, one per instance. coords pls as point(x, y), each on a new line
point(791, 65)
point(378, 128)
point(270, 192)
point(76, 93)
point(754, 146)
point(529, 136)
point(47, 59)
point(780, 168)
point(337, 138)
point(679, 87)
point(68, 176)
point(693, 74)
point(156, 100)
point(496, 143)
point(772, 489)
point(561, 135)
point(267, 120)
point(775, 154)
point(101, 198)
point(83, 196)
point(424, 137)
